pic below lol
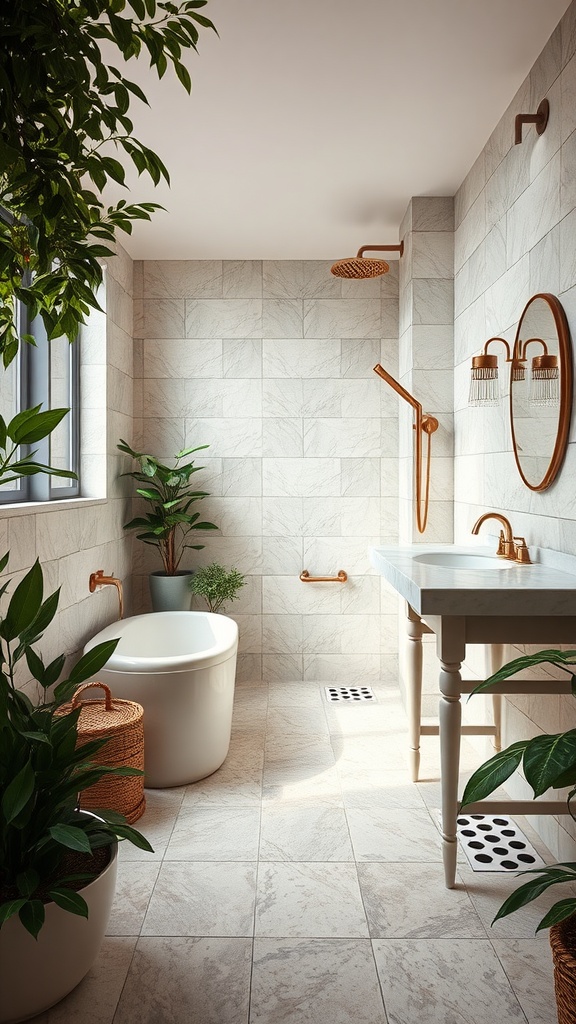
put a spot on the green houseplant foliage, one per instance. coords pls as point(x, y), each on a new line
point(41, 770)
point(217, 585)
point(548, 762)
point(170, 498)
point(64, 126)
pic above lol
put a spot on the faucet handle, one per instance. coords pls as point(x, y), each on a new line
point(521, 551)
point(505, 547)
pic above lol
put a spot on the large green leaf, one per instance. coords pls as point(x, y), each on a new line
point(69, 900)
point(94, 660)
point(535, 887)
point(493, 773)
point(9, 908)
point(71, 837)
point(547, 758)
point(18, 793)
point(24, 604)
point(562, 659)
point(32, 915)
point(559, 912)
point(37, 427)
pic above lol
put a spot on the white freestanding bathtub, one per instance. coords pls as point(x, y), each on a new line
point(181, 667)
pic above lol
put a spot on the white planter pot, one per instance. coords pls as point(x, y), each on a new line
point(170, 593)
point(37, 973)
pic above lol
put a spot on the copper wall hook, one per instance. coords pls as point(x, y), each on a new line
point(540, 119)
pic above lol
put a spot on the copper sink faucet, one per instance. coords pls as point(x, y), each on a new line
point(509, 546)
point(98, 579)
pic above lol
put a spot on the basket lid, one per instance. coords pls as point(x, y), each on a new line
point(103, 715)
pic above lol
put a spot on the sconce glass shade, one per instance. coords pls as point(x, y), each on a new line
point(545, 380)
point(484, 381)
point(518, 370)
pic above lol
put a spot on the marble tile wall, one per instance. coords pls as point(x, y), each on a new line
point(270, 364)
point(514, 237)
point(74, 538)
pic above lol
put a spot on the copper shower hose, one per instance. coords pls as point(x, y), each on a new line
point(423, 424)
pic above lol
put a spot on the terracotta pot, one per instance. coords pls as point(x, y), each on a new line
point(37, 973)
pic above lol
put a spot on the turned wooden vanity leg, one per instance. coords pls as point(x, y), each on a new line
point(414, 687)
point(451, 649)
point(496, 657)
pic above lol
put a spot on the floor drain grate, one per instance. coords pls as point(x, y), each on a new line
point(349, 693)
point(495, 843)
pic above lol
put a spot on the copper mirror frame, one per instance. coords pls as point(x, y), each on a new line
point(564, 409)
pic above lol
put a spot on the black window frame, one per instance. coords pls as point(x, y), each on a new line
point(35, 389)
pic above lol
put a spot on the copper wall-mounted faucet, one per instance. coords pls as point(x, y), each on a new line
point(98, 579)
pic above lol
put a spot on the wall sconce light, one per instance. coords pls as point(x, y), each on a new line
point(423, 424)
point(484, 375)
point(540, 119)
point(544, 374)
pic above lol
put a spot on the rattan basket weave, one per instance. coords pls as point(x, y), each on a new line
point(563, 943)
point(121, 721)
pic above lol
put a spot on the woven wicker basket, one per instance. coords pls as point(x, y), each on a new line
point(122, 722)
point(563, 943)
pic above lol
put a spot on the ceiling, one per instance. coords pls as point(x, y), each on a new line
point(312, 122)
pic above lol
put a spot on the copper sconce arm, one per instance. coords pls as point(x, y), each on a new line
point(540, 119)
point(423, 424)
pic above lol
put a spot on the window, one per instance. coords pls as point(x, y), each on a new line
point(47, 374)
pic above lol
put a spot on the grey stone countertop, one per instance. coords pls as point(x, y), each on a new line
point(547, 587)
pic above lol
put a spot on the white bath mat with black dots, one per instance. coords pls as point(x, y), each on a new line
point(349, 694)
point(495, 843)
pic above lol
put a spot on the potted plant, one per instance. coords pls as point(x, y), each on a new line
point(548, 762)
point(57, 864)
point(217, 585)
point(168, 522)
point(64, 113)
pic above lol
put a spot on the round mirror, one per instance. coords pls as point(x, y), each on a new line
point(541, 391)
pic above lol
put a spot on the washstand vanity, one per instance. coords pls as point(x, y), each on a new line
point(469, 595)
point(505, 594)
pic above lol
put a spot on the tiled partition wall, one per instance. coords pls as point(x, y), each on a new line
point(516, 236)
point(271, 365)
point(426, 359)
point(76, 537)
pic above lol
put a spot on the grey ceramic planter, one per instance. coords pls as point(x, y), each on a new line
point(170, 593)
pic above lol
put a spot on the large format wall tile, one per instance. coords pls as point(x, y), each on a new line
point(271, 365)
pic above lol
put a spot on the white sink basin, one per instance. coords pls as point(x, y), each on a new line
point(460, 560)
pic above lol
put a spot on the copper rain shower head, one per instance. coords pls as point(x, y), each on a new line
point(359, 267)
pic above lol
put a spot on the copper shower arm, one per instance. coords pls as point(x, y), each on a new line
point(423, 424)
point(380, 248)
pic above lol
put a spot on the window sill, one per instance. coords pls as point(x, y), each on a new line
point(27, 508)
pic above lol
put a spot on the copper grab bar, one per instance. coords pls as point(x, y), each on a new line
point(307, 578)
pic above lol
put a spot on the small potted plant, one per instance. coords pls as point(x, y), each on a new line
point(217, 585)
point(57, 863)
point(168, 522)
point(548, 762)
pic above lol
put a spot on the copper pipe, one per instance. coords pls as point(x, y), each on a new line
point(381, 248)
point(423, 423)
point(540, 119)
point(307, 578)
point(98, 579)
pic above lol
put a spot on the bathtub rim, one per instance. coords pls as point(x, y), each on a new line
point(226, 647)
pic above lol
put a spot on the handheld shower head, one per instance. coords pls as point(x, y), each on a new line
point(360, 268)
